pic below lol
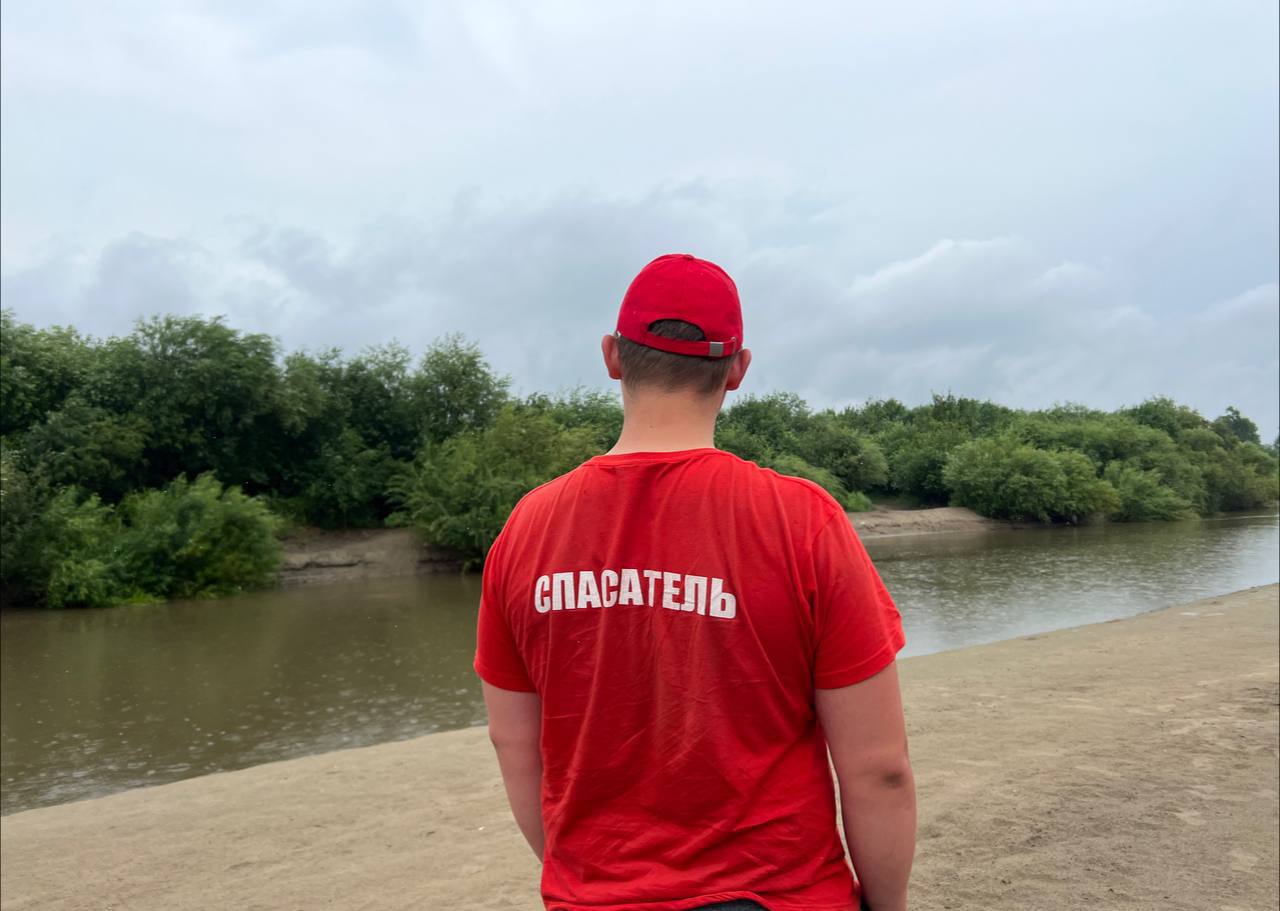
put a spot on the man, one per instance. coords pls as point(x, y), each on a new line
point(671, 638)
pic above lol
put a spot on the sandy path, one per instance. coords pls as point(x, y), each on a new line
point(1130, 764)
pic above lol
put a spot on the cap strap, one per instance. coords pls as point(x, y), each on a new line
point(686, 346)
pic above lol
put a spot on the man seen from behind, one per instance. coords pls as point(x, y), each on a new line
point(672, 638)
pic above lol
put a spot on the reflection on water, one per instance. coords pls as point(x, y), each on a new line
point(98, 701)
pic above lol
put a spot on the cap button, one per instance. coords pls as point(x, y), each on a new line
point(687, 255)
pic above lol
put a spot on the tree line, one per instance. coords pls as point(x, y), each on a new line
point(166, 463)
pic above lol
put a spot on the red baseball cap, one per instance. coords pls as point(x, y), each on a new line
point(681, 286)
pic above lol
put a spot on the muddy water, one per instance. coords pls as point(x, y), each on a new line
point(99, 701)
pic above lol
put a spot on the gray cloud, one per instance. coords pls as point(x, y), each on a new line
point(538, 283)
point(1065, 200)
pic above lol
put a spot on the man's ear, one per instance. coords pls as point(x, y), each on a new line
point(738, 369)
point(612, 362)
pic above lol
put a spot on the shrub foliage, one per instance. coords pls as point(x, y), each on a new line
point(155, 465)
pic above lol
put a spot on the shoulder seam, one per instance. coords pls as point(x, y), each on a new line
point(826, 522)
point(547, 483)
point(821, 494)
point(812, 486)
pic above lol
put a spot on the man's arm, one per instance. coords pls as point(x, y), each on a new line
point(867, 737)
point(515, 727)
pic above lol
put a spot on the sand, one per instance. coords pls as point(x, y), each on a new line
point(886, 521)
point(1130, 764)
point(322, 556)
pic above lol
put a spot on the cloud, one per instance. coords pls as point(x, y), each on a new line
point(912, 197)
point(537, 280)
point(1001, 319)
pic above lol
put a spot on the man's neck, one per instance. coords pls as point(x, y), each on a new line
point(666, 422)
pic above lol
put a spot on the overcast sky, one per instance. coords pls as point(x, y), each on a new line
point(1031, 202)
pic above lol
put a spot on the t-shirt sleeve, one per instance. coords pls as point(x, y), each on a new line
point(498, 659)
point(858, 629)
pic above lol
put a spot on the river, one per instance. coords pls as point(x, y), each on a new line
point(97, 701)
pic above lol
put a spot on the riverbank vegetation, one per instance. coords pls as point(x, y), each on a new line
point(163, 463)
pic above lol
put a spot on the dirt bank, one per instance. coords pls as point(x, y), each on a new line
point(1123, 765)
point(884, 521)
point(315, 555)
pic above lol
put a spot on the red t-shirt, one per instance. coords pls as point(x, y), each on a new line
point(675, 612)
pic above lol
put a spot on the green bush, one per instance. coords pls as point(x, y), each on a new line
point(599, 412)
point(763, 425)
point(66, 549)
point(876, 416)
point(743, 443)
point(857, 501)
point(20, 507)
point(57, 548)
point(90, 425)
point(917, 456)
point(79, 542)
point(853, 457)
point(83, 446)
point(198, 538)
point(797, 467)
point(973, 416)
point(72, 554)
point(39, 368)
point(454, 389)
point(1180, 471)
point(1085, 495)
point(345, 485)
point(1246, 477)
point(206, 393)
point(459, 492)
point(1102, 437)
point(1166, 415)
point(1143, 496)
point(1007, 480)
point(1235, 427)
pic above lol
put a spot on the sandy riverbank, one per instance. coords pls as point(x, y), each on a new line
point(885, 521)
point(315, 555)
point(1124, 765)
